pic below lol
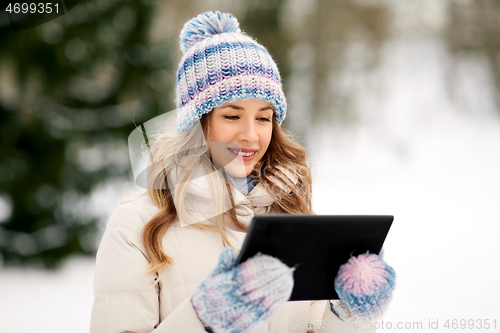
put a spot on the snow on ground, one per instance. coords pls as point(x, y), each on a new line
point(52, 302)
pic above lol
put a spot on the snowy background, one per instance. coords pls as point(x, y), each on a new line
point(425, 153)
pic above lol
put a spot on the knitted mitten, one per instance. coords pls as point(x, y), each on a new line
point(238, 298)
point(364, 284)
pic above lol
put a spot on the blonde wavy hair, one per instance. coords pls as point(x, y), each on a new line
point(189, 152)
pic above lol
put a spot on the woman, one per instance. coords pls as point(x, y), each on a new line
point(166, 262)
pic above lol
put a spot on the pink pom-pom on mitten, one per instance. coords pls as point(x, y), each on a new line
point(365, 284)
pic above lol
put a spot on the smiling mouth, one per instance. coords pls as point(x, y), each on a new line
point(240, 153)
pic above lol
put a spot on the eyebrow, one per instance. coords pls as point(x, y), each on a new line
point(236, 107)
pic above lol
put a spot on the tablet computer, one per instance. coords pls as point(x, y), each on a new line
point(317, 245)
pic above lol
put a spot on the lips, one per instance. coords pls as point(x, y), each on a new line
point(243, 150)
point(245, 154)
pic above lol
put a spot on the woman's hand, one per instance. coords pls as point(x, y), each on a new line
point(238, 298)
point(365, 284)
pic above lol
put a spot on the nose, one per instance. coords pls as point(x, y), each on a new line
point(248, 132)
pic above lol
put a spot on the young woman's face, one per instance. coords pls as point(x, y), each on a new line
point(240, 133)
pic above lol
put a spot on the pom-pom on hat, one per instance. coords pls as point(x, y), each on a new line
point(222, 64)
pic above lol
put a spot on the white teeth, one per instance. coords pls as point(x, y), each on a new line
point(242, 153)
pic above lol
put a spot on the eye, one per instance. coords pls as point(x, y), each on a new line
point(231, 117)
point(265, 119)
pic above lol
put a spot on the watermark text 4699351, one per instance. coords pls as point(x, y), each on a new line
point(27, 14)
point(32, 8)
point(465, 325)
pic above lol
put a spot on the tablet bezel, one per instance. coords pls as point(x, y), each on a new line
point(327, 242)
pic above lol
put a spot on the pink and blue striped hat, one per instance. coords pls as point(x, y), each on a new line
point(222, 64)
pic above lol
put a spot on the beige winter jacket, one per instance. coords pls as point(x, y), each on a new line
point(127, 300)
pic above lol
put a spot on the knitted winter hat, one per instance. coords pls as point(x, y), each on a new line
point(222, 64)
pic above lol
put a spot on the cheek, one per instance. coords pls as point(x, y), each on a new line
point(266, 138)
point(220, 133)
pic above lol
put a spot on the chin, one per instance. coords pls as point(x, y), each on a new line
point(237, 171)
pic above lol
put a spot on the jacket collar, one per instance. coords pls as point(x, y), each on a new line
point(198, 200)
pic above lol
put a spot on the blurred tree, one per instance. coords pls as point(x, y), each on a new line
point(322, 35)
point(335, 26)
point(70, 90)
point(474, 29)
